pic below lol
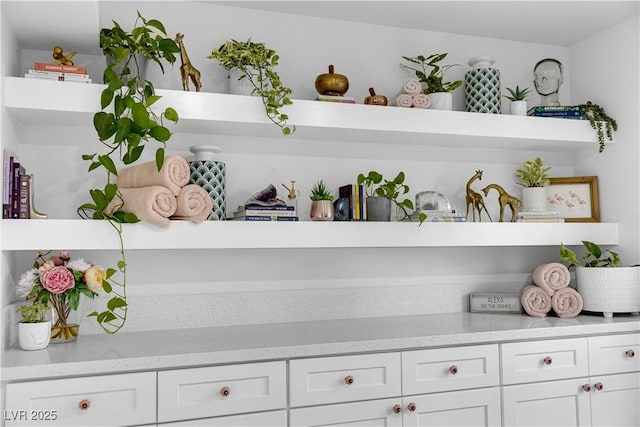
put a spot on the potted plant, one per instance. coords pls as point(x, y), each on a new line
point(533, 177)
point(379, 199)
point(124, 125)
point(518, 98)
point(431, 75)
point(600, 121)
point(322, 208)
point(34, 330)
point(604, 286)
point(254, 63)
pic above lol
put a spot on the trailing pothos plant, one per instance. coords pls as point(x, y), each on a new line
point(125, 124)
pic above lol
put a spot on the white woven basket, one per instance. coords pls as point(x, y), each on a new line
point(609, 290)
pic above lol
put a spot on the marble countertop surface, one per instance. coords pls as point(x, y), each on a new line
point(170, 349)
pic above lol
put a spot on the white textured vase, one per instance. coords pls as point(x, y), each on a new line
point(609, 290)
point(34, 336)
point(534, 199)
point(518, 108)
point(441, 101)
point(239, 85)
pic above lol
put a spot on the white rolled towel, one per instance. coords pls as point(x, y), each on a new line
point(411, 87)
point(421, 100)
point(404, 100)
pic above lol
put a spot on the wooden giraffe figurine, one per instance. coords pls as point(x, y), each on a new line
point(475, 199)
point(186, 69)
point(504, 199)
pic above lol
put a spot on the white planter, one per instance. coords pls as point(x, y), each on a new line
point(441, 100)
point(609, 290)
point(34, 336)
point(238, 86)
point(534, 199)
point(518, 108)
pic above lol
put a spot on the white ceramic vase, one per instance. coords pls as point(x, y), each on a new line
point(534, 199)
point(238, 85)
point(441, 101)
point(609, 290)
point(34, 336)
point(518, 108)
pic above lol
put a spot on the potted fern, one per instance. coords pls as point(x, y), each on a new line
point(518, 98)
point(604, 285)
point(253, 63)
point(322, 208)
point(431, 75)
point(534, 176)
point(600, 121)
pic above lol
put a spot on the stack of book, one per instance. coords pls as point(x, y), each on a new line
point(563, 112)
point(16, 189)
point(545, 216)
point(356, 197)
point(334, 98)
point(266, 213)
point(438, 216)
point(59, 72)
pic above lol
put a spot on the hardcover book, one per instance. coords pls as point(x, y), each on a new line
point(75, 69)
point(270, 218)
point(24, 205)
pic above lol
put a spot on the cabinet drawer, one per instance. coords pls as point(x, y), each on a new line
point(544, 360)
point(343, 379)
point(221, 390)
point(369, 413)
point(126, 399)
point(614, 354)
point(258, 419)
point(443, 369)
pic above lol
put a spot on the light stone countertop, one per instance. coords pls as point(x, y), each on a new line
point(157, 350)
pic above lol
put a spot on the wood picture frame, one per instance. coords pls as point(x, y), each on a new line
point(576, 198)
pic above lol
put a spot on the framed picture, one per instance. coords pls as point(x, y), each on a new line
point(576, 198)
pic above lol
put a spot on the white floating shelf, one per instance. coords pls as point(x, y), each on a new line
point(42, 101)
point(97, 235)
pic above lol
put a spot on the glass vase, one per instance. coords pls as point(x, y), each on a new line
point(65, 325)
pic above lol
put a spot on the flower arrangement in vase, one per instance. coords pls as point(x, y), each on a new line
point(59, 282)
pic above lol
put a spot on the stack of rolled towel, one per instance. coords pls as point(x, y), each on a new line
point(551, 291)
point(158, 196)
point(411, 95)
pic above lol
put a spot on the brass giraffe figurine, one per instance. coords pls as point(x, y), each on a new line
point(504, 199)
point(186, 69)
point(475, 199)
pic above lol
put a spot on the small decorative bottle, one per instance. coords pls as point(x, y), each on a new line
point(209, 174)
point(482, 86)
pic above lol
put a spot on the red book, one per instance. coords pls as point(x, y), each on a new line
point(73, 69)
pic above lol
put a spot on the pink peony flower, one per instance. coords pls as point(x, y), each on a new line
point(93, 277)
point(57, 279)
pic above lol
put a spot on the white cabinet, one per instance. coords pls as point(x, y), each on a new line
point(125, 399)
point(615, 400)
point(258, 419)
point(382, 412)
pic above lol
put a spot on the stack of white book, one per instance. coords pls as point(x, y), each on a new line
point(59, 72)
point(544, 216)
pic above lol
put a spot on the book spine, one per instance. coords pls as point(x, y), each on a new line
point(7, 159)
point(15, 193)
point(75, 69)
point(347, 191)
point(362, 200)
point(70, 76)
point(252, 212)
point(25, 192)
point(269, 208)
point(446, 219)
point(57, 78)
point(557, 113)
point(270, 218)
point(356, 203)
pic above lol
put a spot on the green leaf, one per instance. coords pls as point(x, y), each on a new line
point(171, 114)
point(132, 155)
point(116, 302)
point(152, 100)
point(110, 192)
point(130, 218)
point(104, 123)
point(159, 158)
point(140, 115)
point(124, 129)
point(105, 98)
point(99, 199)
point(592, 248)
point(106, 161)
point(160, 133)
point(105, 316)
point(107, 286)
point(157, 25)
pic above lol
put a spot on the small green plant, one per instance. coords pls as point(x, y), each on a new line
point(432, 74)
point(533, 173)
point(592, 257)
point(320, 192)
point(33, 313)
point(257, 64)
point(517, 94)
point(391, 190)
point(600, 121)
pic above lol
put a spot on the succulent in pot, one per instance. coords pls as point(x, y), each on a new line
point(533, 176)
point(34, 330)
point(322, 208)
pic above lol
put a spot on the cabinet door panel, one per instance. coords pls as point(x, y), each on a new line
point(618, 403)
point(551, 404)
point(614, 354)
point(259, 419)
point(442, 369)
point(480, 407)
point(370, 413)
point(525, 362)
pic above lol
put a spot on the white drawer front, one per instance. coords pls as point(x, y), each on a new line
point(116, 400)
point(326, 380)
point(258, 419)
point(544, 360)
point(614, 354)
point(200, 392)
point(367, 414)
point(442, 369)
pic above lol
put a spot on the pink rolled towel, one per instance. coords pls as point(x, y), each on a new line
point(173, 175)
point(567, 302)
point(404, 100)
point(551, 277)
point(154, 204)
point(194, 204)
point(411, 86)
point(421, 100)
point(535, 301)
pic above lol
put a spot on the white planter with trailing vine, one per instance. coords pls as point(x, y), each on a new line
point(609, 290)
point(239, 85)
point(534, 199)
